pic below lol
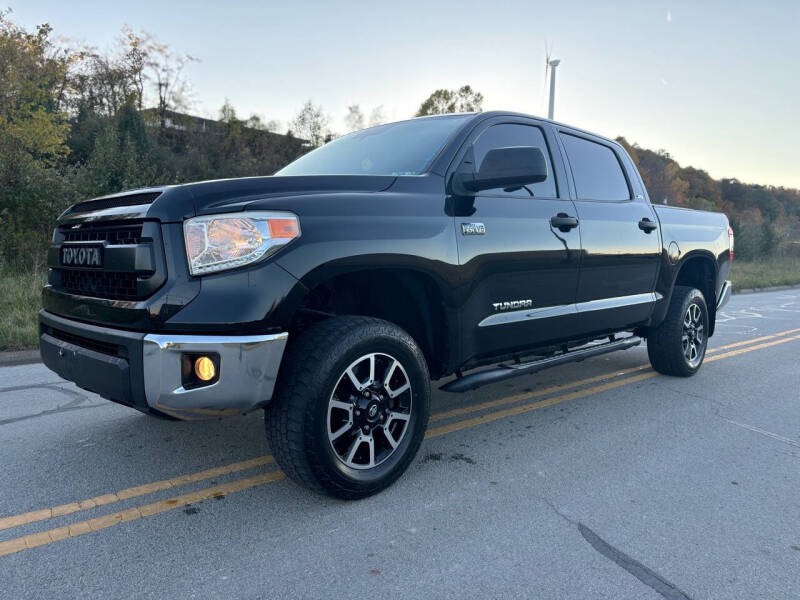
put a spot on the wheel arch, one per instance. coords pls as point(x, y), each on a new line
point(412, 298)
point(696, 269)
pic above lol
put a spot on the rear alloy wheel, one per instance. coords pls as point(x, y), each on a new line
point(678, 345)
point(693, 340)
point(350, 406)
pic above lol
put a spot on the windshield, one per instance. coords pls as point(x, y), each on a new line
point(402, 148)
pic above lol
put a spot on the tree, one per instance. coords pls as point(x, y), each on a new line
point(769, 239)
point(273, 125)
point(32, 125)
point(123, 156)
point(102, 83)
point(354, 120)
point(311, 124)
point(33, 138)
point(748, 235)
point(377, 117)
point(442, 101)
point(169, 81)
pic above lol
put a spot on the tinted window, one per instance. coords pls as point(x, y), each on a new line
point(403, 148)
point(595, 169)
point(508, 136)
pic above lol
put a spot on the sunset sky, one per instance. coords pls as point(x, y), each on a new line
point(716, 85)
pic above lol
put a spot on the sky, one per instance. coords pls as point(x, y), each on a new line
point(714, 83)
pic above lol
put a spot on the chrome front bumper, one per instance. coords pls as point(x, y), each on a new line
point(248, 369)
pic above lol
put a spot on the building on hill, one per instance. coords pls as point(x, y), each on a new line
point(176, 121)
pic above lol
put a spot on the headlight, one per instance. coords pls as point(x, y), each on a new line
point(219, 242)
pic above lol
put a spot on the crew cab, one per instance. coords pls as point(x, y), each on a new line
point(467, 248)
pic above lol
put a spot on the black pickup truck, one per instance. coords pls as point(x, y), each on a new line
point(471, 247)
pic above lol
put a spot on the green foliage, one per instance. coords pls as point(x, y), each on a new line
point(122, 157)
point(442, 101)
point(769, 239)
point(33, 137)
point(747, 235)
point(33, 128)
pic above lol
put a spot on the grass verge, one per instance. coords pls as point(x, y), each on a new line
point(20, 295)
point(20, 299)
point(765, 273)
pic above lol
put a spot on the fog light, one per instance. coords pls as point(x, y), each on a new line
point(204, 368)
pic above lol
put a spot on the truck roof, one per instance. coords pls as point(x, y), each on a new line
point(507, 113)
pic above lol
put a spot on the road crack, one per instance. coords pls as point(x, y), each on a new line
point(77, 403)
point(644, 574)
point(763, 432)
point(716, 409)
point(30, 386)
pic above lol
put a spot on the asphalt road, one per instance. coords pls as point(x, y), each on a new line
point(593, 480)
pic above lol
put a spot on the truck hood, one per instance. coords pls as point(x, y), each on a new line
point(178, 202)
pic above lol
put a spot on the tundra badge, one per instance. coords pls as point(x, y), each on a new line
point(513, 304)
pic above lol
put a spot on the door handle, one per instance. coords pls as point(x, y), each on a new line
point(563, 222)
point(647, 225)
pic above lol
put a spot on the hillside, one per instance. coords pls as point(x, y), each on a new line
point(765, 219)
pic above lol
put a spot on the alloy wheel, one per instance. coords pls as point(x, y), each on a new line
point(693, 339)
point(369, 411)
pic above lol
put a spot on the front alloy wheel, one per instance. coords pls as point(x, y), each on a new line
point(350, 406)
point(369, 411)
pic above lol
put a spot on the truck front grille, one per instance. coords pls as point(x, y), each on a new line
point(100, 284)
point(132, 259)
point(114, 235)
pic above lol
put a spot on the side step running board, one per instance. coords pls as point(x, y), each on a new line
point(501, 372)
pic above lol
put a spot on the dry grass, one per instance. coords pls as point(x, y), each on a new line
point(20, 299)
point(765, 273)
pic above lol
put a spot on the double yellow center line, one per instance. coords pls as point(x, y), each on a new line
point(612, 381)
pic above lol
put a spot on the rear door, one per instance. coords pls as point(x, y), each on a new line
point(619, 237)
point(520, 273)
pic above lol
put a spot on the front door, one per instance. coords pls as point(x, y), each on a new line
point(520, 272)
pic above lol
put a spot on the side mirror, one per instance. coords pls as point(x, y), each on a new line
point(503, 168)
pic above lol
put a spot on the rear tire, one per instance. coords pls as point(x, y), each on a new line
point(678, 346)
point(350, 407)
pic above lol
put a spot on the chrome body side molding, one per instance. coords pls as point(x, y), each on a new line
point(546, 312)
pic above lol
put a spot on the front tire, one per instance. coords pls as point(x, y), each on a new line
point(350, 408)
point(678, 346)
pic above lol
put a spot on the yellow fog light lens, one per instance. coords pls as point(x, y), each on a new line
point(204, 368)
